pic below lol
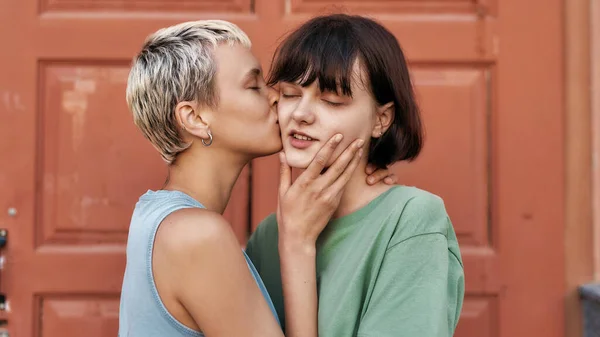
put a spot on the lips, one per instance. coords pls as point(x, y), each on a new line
point(301, 135)
point(300, 140)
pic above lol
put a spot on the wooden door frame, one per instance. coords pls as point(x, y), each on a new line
point(582, 149)
point(595, 99)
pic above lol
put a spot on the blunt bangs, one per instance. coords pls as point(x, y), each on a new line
point(320, 52)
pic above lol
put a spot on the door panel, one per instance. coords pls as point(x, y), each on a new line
point(76, 162)
point(488, 147)
point(73, 164)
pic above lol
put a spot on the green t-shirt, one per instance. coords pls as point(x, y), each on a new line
point(392, 268)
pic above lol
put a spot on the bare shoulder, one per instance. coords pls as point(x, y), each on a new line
point(192, 230)
point(203, 278)
point(206, 279)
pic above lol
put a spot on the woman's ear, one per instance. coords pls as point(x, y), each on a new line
point(383, 119)
point(190, 119)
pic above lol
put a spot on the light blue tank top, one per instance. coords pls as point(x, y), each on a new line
point(142, 313)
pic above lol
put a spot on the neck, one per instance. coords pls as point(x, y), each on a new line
point(358, 193)
point(207, 175)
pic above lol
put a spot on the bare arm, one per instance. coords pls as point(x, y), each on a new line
point(304, 209)
point(298, 277)
point(209, 276)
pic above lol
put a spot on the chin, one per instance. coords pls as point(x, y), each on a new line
point(270, 145)
point(273, 148)
point(298, 160)
point(264, 148)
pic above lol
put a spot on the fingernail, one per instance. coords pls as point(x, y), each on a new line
point(360, 143)
point(338, 137)
point(371, 179)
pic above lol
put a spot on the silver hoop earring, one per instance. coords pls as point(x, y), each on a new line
point(210, 140)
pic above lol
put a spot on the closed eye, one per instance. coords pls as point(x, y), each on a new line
point(335, 104)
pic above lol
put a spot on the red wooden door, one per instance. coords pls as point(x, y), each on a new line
point(73, 164)
point(488, 75)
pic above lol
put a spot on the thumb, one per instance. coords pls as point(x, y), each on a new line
point(285, 175)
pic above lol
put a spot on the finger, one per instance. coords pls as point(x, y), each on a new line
point(391, 179)
point(340, 164)
point(370, 169)
point(320, 161)
point(338, 185)
point(378, 176)
point(278, 214)
point(285, 175)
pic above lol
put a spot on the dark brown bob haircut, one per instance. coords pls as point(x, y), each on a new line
point(326, 48)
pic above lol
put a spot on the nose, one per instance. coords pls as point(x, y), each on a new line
point(303, 113)
point(273, 96)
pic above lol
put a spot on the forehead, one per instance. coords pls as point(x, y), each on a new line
point(233, 62)
point(357, 78)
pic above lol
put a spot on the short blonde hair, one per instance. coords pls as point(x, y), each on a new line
point(176, 64)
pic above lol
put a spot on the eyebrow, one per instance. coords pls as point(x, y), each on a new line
point(252, 73)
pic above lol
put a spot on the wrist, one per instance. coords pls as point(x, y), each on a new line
point(294, 246)
point(295, 234)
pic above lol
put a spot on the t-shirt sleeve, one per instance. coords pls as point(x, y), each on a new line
point(419, 288)
point(412, 300)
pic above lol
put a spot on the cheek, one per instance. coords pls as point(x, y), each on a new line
point(349, 127)
point(254, 108)
point(284, 113)
point(358, 123)
point(243, 114)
